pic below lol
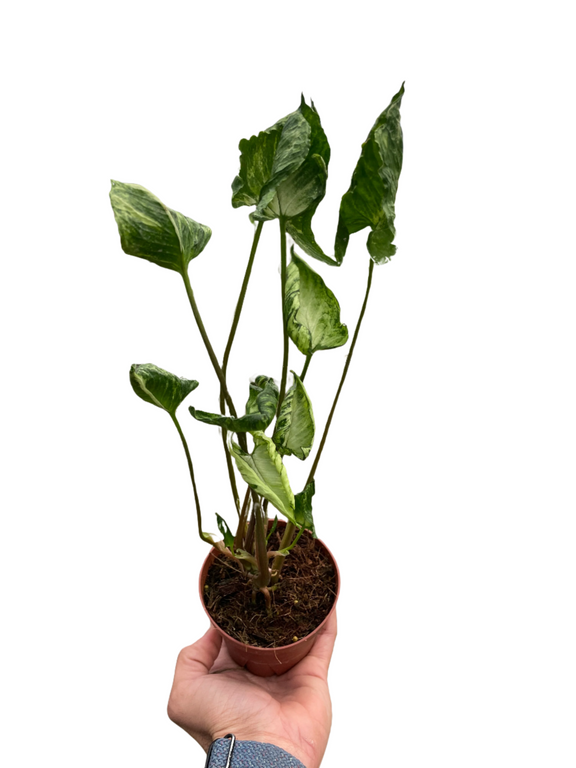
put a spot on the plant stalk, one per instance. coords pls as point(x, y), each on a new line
point(306, 364)
point(241, 532)
point(227, 351)
point(283, 272)
point(343, 379)
point(263, 578)
point(207, 344)
point(239, 305)
point(279, 559)
point(201, 533)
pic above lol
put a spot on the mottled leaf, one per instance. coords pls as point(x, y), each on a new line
point(283, 170)
point(369, 202)
point(303, 508)
point(265, 473)
point(225, 531)
point(150, 230)
point(260, 409)
point(159, 387)
point(294, 433)
point(312, 310)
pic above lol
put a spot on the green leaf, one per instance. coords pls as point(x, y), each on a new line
point(303, 508)
point(369, 202)
point(260, 409)
point(272, 529)
point(150, 230)
point(225, 531)
point(370, 199)
point(312, 310)
point(265, 473)
point(283, 170)
point(294, 433)
point(159, 387)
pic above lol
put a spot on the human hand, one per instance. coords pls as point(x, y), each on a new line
point(212, 696)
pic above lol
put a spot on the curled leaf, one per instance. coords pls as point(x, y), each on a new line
point(260, 409)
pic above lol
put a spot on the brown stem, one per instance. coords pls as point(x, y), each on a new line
point(241, 532)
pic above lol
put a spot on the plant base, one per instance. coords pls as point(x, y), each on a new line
point(305, 597)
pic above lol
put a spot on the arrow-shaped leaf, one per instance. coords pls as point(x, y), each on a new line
point(294, 433)
point(369, 202)
point(265, 473)
point(160, 387)
point(150, 230)
point(312, 310)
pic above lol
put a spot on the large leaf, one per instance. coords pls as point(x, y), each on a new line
point(283, 170)
point(159, 387)
point(294, 433)
point(312, 310)
point(265, 473)
point(260, 409)
point(369, 202)
point(303, 508)
point(150, 230)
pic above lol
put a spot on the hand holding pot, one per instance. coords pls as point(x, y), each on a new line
point(212, 696)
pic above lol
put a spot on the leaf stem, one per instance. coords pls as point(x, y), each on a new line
point(306, 364)
point(241, 532)
point(206, 340)
point(235, 321)
point(263, 578)
point(202, 535)
point(342, 380)
point(283, 272)
point(240, 304)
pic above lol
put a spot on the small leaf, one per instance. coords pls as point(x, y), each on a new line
point(272, 529)
point(303, 508)
point(294, 433)
point(159, 387)
point(312, 310)
point(369, 202)
point(260, 409)
point(150, 230)
point(225, 531)
point(265, 473)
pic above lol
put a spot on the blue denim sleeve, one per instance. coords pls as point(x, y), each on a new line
point(230, 753)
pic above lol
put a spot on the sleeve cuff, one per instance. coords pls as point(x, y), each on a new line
point(230, 753)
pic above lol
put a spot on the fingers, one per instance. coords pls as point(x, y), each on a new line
point(324, 645)
point(196, 660)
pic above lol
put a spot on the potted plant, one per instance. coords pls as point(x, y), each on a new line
point(247, 581)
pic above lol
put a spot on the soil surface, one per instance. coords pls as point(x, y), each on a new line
point(305, 594)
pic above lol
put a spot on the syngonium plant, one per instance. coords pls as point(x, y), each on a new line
point(283, 174)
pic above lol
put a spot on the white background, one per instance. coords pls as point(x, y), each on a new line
point(446, 491)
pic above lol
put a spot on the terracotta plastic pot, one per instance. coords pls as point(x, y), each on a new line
point(265, 662)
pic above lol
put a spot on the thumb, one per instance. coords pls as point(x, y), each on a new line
point(196, 660)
